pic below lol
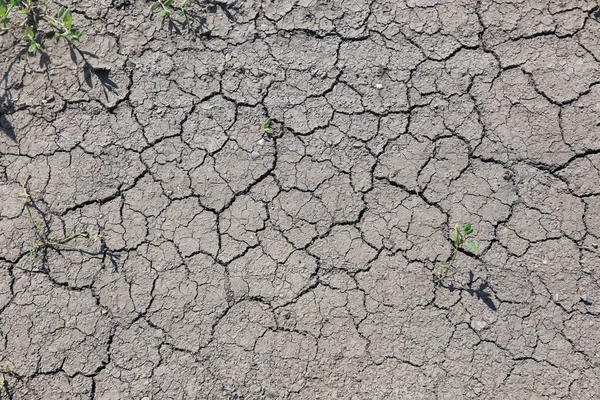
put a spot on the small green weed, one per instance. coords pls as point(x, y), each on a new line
point(42, 240)
point(167, 8)
point(266, 127)
point(459, 238)
point(5, 371)
point(27, 15)
point(182, 12)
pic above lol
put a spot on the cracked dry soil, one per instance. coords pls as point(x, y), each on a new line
point(298, 265)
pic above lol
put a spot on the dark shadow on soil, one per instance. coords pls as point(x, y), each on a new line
point(103, 251)
point(6, 99)
point(194, 19)
point(595, 13)
point(90, 74)
point(7, 391)
point(101, 74)
point(106, 255)
point(7, 128)
point(480, 292)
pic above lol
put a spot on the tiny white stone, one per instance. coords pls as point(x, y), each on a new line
point(378, 86)
point(255, 154)
point(479, 325)
point(261, 142)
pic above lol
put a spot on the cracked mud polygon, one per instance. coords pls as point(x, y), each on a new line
point(298, 264)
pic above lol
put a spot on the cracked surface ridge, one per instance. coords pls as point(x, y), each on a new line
point(297, 263)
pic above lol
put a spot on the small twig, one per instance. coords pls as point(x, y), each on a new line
point(42, 241)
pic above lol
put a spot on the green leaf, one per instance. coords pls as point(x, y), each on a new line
point(68, 19)
point(4, 20)
point(154, 6)
point(443, 263)
point(164, 13)
point(3, 5)
point(468, 228)
point(456, 237)
point(33, 47)
point(473, 247)
point(60, 13)
point(168, 3)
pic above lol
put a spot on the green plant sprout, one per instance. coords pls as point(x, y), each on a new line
point(4, 372)
point(63, 25)
point(33, 12)
point(266, 127)
point(42, 241)
point(165, 7)
point(29, 37)
point(459, 238)
point(182, 12)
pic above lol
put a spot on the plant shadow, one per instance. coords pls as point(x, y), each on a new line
point(7, 391)
point(7, 128)
point(194, 19)
point(479, 292)
point(45, 224)
point(102, 74)
point(6, 99)
point(91, 74)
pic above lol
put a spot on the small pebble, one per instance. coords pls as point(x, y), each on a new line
point(586, 299)
point(261, 142)
point(255, 154)
point(479, 325)
point(357, 145)
point(378, 86)
point(169, 192)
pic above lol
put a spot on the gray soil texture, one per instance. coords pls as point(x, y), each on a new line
point(238, 262)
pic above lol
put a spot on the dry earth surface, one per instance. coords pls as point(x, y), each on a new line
point(298, 264)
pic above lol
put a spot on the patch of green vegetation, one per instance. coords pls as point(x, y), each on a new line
point(30, 16)
point(43, 241)
point(266, 127)
point(5, 371)
point(168, 8)
point(459, 238)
